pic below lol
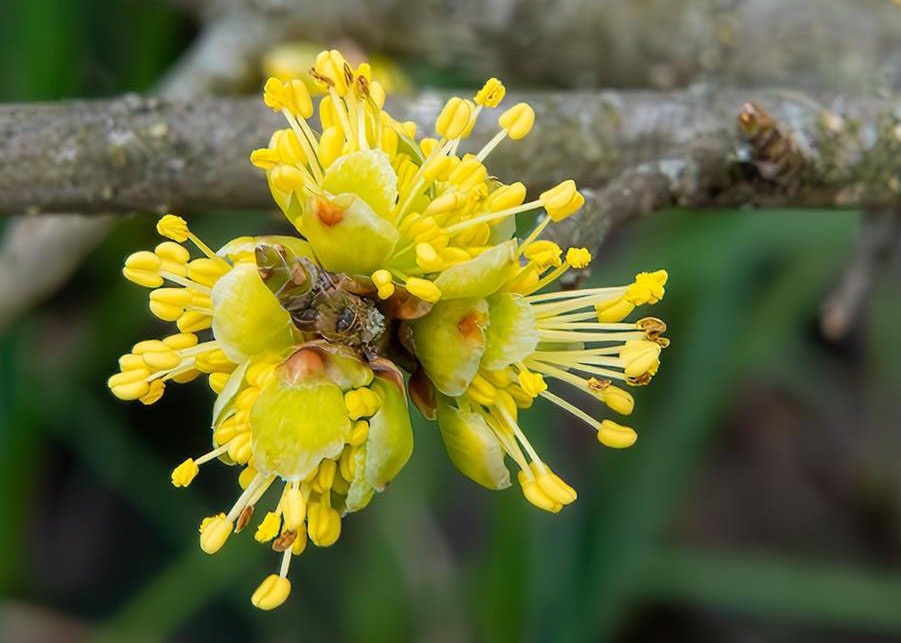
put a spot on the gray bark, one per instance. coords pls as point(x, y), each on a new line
point(156, 155)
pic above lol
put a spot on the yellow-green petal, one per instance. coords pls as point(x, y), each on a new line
point(480, 276)
point(450, 341)
point(472, 446)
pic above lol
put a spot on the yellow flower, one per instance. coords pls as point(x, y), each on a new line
point(373, 201)
point(490, 355)
point(295, 346)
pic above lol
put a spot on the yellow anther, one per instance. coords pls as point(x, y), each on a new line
point(383, 282)
point(286, 178)
point(288, 147)
point(361, 402)
point(239, 448)
point(505, 197)
point(483, 386)
point(518, 120)
point(389, 142)
point(409, 128)
point(229, 428)
point(614, 310)
point(504, 400)
point(173, 227)
point(331, 146)
point(523, 400)
point(328, 115)
point(534, 494)
point(544, 254)
point(271, 593)
point(327, 470)
point(500, 378)
point(184, 473)
point(329, 71)
point(447, 202)
point(647, 288)
point(154, 392)
point(347, 463)
point(214, 531)
point(562, 200)
point(130, 384)
point(185, 376)
point(259, 374)
point(180, 341)
point(438, 168)
point(218, 381)
point(129, 362)
point(294, 506)
point(469, 173)
point(300, 543)
point(552, 486)
point(616, 436)
point(245, 399)
point(614, 397)
point(193, 321)
point(274, 94)
point(169, 303)
point(161, 360)
point(268, 528)
point(454, 118)
point(359, 433)
point(174, 257)
point(532, 383)
point(640, 357)
point(264, 158)
point(213, 361)
point(423, 288)
point(479, 397)
point(578, 257)
point(299, 95)
point(491, 94)
point(206, 271)
point(452, 256)
point(428, 145)
point(378, 93)
point(246, 476)
point(323, 525)
point(427, 258)
point(143, 269)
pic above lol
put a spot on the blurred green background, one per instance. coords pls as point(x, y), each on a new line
point(762, 501)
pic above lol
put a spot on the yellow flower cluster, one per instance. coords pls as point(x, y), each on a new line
point(407, 249)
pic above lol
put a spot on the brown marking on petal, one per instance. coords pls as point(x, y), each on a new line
point(302, 364)
point(284, 541)
point(469, 325)
point(597, 385)
point(329, 212)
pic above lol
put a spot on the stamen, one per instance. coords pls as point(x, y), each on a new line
point(184, 281)
point(576, 336)
point(490, 145)
point(215, 453)
point(286, 563)
point(576, 411)
point(492, 216)
point(306, 143)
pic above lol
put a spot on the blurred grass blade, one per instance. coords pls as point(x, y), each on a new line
point(769, 586)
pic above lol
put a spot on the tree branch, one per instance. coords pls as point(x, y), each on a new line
point(809, 44)
point(693, 148)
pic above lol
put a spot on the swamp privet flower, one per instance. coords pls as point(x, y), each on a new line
point(407, 261)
